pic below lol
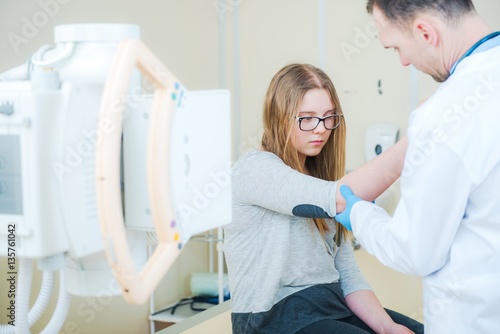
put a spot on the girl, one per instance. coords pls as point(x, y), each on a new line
point(291, 266)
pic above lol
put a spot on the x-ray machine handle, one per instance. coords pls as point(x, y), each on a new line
point(137, 285)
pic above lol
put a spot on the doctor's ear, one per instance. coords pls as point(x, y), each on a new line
point(424, 30)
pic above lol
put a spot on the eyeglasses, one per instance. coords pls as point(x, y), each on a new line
point(309, 123)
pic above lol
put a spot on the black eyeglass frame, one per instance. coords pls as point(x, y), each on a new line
point(320, 119)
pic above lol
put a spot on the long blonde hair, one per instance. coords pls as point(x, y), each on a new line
point(283, 99)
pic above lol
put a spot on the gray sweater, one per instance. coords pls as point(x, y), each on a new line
point(271, 249)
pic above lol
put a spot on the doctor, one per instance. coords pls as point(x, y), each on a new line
point(446, 227)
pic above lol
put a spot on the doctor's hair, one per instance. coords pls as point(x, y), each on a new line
point(404, 11)
point(281, 106)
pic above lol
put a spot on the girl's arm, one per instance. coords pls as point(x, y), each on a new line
point(373, 178)
point(365, 305)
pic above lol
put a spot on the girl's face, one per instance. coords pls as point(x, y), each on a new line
point(316, 103)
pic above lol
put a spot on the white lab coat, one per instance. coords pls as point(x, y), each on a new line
point(446, 227)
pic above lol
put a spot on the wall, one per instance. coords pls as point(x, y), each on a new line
point(351, 56)
point(240, 44)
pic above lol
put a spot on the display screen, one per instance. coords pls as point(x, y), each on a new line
point(10, 175)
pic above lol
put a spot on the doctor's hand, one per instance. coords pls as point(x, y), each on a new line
point(344, 217)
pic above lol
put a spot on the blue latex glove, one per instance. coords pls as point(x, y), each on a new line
point(345, 217)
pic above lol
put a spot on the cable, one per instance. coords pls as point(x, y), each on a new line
point(40, 304)
point(43, 297)
point(191, 301)
point(63, 301)
point(37, 58)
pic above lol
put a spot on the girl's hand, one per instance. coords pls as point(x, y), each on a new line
point(398, 329)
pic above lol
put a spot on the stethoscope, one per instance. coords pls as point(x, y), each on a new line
point(475, 47)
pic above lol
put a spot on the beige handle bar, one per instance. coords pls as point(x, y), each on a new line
point(137, 286)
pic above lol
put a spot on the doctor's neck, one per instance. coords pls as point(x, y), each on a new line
point(460, 37)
